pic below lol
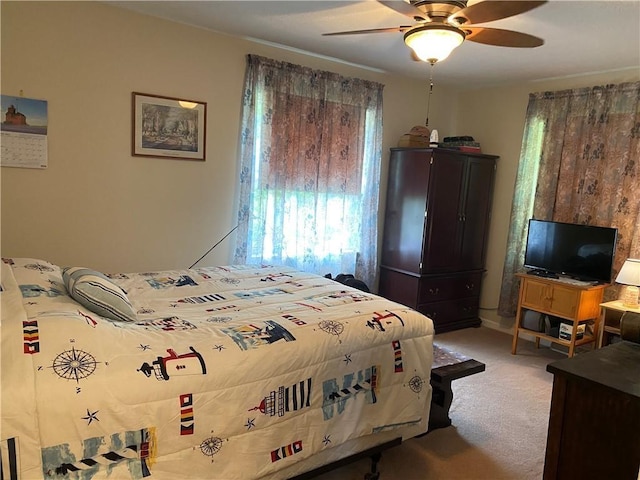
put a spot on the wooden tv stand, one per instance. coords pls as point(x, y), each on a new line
point(573, 304)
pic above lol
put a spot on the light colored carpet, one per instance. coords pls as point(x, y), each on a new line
point(500, 418)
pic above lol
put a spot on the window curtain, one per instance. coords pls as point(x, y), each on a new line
point(310, 156)
point(579, 163)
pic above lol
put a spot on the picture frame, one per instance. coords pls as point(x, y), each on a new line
point(168, 127)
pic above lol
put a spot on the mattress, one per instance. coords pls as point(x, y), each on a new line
point(229, 372)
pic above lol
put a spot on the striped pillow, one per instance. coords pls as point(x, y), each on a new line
point(97, 293)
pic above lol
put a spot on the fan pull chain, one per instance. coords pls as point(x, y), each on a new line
point(429, 97)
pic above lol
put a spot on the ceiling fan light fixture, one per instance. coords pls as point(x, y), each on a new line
point(433, 43)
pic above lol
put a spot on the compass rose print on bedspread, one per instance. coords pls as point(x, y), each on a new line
point(211, 445)
point(74, 364)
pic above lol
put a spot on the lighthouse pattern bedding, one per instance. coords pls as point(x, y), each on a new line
point(234, 372)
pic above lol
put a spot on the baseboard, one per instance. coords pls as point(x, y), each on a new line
point(509, 331)
point(496, 326)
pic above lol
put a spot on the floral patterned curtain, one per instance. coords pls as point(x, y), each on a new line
point(310, 169)
point(579, 163)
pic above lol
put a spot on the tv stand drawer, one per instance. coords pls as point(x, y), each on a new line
point(563, 300)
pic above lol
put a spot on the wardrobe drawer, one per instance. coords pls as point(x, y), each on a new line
point(468, 285)
point(434, 289)
point(450, 311)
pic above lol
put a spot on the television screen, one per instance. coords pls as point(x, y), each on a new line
point(582, 252)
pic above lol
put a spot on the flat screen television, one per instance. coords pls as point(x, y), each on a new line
point(582, 252)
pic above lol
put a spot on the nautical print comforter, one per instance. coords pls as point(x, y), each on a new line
point(234, 372)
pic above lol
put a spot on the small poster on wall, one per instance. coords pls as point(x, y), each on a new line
point(23, 132)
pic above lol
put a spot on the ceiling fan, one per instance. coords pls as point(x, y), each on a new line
point(442, 26)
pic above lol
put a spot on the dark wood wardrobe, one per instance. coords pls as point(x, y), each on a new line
point(435, 232)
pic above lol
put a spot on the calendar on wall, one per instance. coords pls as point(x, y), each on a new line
point(23, 130)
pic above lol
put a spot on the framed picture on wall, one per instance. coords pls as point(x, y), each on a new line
point(167, 127)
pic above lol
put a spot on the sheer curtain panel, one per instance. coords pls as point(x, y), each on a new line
point(579, 163)
point(310, 169)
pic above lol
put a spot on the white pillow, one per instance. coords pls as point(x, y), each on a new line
point(97, 293)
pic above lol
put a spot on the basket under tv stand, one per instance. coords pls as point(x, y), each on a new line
point(573, 301)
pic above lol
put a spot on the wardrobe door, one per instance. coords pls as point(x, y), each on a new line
point(476, 212)
point(444, 220)
point(406, 203)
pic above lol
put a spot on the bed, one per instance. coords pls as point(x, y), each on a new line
point(230, 372)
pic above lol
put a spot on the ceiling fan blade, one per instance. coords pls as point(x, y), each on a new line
point(401, 28)
point(490, 10)
point(501, 38)
point(405, 8)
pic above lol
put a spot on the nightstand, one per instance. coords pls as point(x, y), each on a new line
point(611, 313)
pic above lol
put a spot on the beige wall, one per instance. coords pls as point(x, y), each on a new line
point(96, 204)
point(495, 117)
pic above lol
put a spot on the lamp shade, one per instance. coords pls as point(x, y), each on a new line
point(433, 42)
point(630, 272)
point(630, 275)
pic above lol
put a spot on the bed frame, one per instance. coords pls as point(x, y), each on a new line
point(375, 453)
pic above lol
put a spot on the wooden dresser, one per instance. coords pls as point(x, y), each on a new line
point(435, 233)
point(594, 423)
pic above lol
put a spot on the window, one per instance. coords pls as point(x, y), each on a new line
point(310, 170)
point(578, 164)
